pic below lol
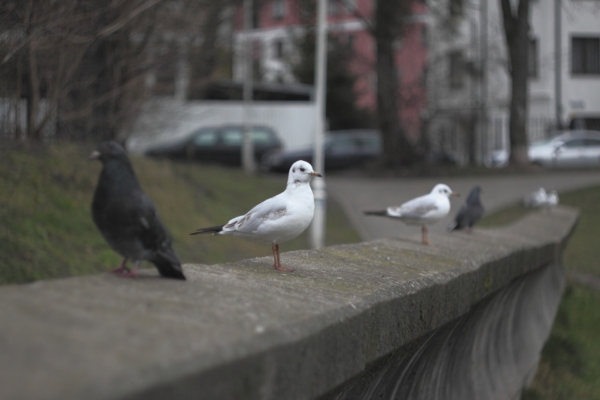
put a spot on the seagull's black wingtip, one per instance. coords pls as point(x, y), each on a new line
point(210, 229)
point(383, 212)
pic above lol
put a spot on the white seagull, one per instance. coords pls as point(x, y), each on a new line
point(278, 219)
point(423, 210)
point(536, 198)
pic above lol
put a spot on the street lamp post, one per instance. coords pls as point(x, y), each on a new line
point(317, 230)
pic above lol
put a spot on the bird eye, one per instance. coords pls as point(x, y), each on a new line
point(302, 169)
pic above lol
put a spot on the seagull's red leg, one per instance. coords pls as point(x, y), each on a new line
point(277, 264)
point(133, 272)
point(122, 268)
point(425, 236)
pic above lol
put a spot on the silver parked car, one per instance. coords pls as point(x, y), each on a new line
point(569, 149)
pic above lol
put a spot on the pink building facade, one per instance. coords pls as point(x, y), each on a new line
point(277, 22)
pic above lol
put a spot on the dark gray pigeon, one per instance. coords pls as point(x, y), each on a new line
point(470, 213)
point(127, 218)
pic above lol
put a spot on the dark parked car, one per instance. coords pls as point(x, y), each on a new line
point(343, 149)
point(219, 144)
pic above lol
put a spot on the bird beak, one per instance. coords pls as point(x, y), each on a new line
point(316, 174)
point(94, 156)
point(455, 194)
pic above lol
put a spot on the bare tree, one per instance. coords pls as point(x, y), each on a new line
point(74, 58)
point(386, 28)
point(516, 29)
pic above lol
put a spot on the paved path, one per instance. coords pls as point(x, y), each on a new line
point(359, 194)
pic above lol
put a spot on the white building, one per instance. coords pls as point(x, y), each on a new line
point(460, 96)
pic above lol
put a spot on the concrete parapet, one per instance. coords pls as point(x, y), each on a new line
point(391, 318)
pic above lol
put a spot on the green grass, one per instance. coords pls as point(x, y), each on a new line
point(570, 364)
point(46, 230)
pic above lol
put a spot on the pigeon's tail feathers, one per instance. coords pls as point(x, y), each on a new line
point(168, 266)
point(211, 229)
point(380, 212)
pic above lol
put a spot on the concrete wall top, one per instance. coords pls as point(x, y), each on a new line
point(245, 331)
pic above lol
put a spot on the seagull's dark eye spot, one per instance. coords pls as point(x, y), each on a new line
point(302, 169)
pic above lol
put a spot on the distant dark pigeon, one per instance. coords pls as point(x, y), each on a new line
point(470, 213)
point(127, 218)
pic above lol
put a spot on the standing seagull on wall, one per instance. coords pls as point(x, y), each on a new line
point(470, 213)
point(127, 218)
point(423, 210)
point(278, 219)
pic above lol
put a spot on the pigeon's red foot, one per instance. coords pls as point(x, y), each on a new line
point(128, 274)
point(121, 270)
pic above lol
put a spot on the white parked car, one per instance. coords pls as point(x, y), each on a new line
point(570, 149)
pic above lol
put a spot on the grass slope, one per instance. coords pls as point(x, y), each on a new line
point(570, 364)
point(46, 230)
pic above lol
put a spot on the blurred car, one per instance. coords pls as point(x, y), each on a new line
point(343, 149)
point(219, 144)
point(569, 149)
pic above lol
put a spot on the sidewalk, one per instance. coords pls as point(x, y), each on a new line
point(359, 194)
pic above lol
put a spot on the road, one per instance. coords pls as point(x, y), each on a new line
point(358, 194)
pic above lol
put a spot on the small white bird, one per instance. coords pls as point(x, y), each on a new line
point(278, 219)
point(552, 199)
point(423, 210)
point(536, 198)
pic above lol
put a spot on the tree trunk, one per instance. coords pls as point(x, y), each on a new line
point(33, 97)
point(516, 28)
point(398, 151)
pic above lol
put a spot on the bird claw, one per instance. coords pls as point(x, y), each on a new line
point(128, 274)
point(119, 271)
point(283, 269)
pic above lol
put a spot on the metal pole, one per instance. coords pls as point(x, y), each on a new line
point(557, 64)
point(247, 145)
point(483, 27)
point(317, 229)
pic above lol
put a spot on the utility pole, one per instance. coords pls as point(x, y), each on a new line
point(557, 64)
point(317, 229)
point(247, 145)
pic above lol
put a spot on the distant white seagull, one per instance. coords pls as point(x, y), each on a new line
point(424, 210)
point(278, 219)
point(552, 199)
point(536, 198)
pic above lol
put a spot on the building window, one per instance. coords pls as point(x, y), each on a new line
point(350, 43)
point(532, 59)
point(278, 49)
point(333, 7)
point(457, 69)
point(585, 55)
point(278, 9)
point(456, 8)
point(349, 6)
point(399, 74)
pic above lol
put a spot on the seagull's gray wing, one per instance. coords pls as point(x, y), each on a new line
point(269, 210)
point(414, 209)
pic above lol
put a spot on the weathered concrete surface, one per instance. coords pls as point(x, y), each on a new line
point(245, 331)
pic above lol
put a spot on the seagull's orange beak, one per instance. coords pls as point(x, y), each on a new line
point(455, 194)
point(316, 174)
